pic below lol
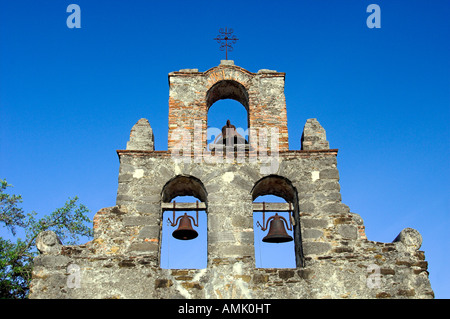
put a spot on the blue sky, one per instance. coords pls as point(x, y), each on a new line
point(69, 97)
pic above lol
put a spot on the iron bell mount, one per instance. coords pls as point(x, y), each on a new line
point(277, 233)
point(184, 230)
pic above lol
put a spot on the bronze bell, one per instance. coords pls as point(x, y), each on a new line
point(230, 137)
point(185, 230)
point(277, 233)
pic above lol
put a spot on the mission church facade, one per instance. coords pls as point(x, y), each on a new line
point(333, 257)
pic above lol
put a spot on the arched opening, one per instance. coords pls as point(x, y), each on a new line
point(224, 101)
point(275, 185)
point(220, 113)
point(183, 195)
point(227, 89)
point(275, 195)
point(183, 185)
point(270, 255)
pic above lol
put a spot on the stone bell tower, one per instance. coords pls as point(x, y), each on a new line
point(192, 93)
point(333, 257)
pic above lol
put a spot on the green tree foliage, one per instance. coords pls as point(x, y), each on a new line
point(68, 222)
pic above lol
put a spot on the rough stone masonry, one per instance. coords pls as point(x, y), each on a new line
point(334, 259)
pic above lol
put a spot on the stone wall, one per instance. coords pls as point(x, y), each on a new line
point(334, 258)
point(337, 260)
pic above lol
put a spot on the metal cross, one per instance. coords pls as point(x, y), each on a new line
point(225, 35)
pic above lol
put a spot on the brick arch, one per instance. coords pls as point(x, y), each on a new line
point(234, 73)
point(192, 93)
point(227, 89)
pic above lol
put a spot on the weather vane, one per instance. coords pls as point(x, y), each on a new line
point(225, 35)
